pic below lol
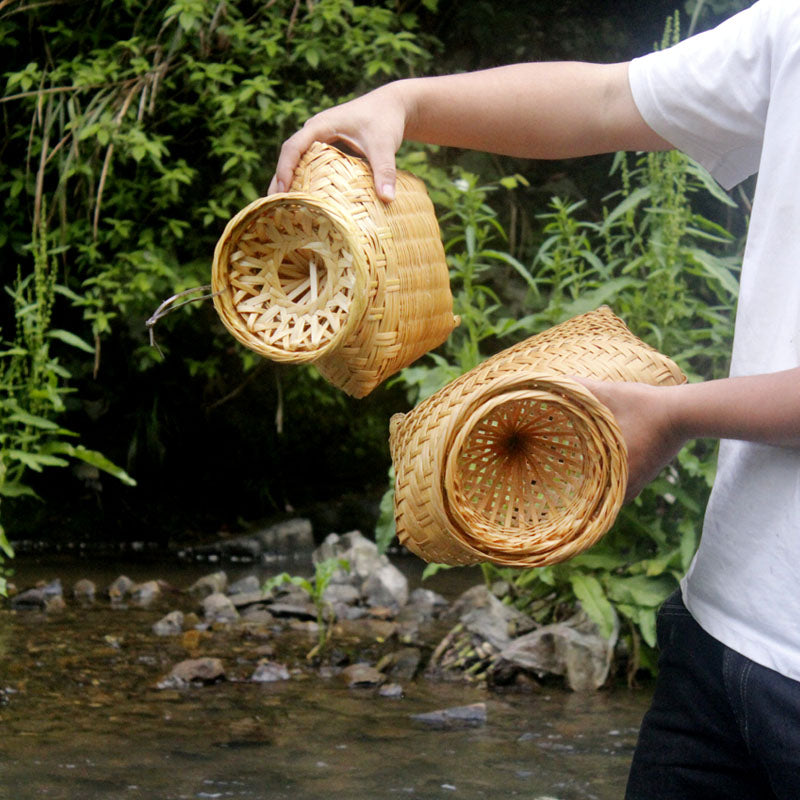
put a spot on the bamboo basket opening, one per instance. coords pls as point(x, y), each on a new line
point(515, 462)
point(292, 278)
point(520, 463)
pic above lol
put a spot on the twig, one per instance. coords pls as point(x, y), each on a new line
point(109, 152)
point(63, 89)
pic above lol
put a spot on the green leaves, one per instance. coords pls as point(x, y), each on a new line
point(385, 527)
point(93, 457)
point(589, 592)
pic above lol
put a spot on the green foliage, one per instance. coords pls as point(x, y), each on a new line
point(324, 571)
point(155, 123)
point(33, 389)
point(134, 131)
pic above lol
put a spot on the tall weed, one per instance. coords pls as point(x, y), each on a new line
point(33, 386)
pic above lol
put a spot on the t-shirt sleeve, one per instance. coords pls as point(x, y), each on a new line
point(709, 95)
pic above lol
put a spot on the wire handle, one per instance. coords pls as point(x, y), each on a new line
point(167, 307)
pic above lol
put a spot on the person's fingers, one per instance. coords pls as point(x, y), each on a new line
point(291, 150)
point(384, 173)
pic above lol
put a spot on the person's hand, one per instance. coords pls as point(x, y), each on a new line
point(643, 415)
point(372, 125)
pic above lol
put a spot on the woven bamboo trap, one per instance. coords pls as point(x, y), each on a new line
point(328, 273)
point(515, 462)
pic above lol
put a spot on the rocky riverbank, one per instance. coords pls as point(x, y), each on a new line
point(355, 620)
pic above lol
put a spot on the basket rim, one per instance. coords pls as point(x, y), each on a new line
point(581, 505)
point(221, 288)
point(515, 386)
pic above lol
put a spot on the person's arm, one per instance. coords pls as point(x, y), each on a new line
point(657, 421)
point(534, 110)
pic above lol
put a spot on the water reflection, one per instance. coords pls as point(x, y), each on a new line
point(82, 718)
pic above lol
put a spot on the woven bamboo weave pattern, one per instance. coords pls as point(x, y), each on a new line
point(515, 462)
point(328, 274)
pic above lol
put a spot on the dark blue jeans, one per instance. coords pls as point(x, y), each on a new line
point(720, 727)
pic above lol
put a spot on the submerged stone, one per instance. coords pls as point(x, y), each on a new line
point(362, 675)
point(209, 584)
point(170, 625)
point(194, 670)
point(120, 588)
point(84, 589)
point(458, 716)
point(219, 608)
point(269, 672)
point(143, 594)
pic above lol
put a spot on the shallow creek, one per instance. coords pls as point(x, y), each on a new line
point(82, 718)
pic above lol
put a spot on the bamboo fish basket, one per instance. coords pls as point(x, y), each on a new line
point(515, 462)
point(328, 274)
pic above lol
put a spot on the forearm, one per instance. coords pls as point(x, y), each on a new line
point(656, 421)
point(532, 110)
point(536, 110)
point(757, 408)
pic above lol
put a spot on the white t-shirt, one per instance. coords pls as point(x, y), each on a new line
point(730, 98)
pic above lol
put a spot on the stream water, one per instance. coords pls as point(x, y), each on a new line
point(82, 717)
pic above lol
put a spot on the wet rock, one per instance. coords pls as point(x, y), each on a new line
point(244, 599)
point(393, 691)
point(573, 648)
point(299, 611)
point(191, 620)
point(290, 593)
point(403, 664)
point(419, 615)
point(269, 672)
point(360, 553)
point(348, 612)
point(143, 594)
point(247, 585)
point(52, 588)
point(191, 638)
point(456, 717)
point(214, 583)
point(304, 626)
point(483, 615)
point(194, 670)
point(291, 537)
point(120, 588)
point(343, 599)
point(29, 600)
point(54, 604)
point(169, 625)
point(288, 538)
point(341, 593)
point(365, 630)
point(257, 615)
point(361, 676)
point(427, 601)
point(386, 586)
point(84, 590)
point(249, 731)
point(377, 580)
point(218, 607)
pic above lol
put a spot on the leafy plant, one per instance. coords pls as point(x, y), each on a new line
point(134, 131)
point(315, 586)
point(33, 388)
